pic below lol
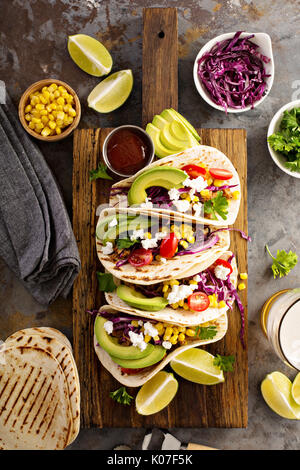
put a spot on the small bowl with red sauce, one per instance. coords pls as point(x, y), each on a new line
point(127, 149)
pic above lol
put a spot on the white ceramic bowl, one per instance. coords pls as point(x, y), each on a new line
point(278, 158)
point(263, 40)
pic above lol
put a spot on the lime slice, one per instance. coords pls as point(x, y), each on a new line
point(112, 92)
point(296, 389)
point(156, 394)
point(276, 389)
point(197, 366)
point(90, 55)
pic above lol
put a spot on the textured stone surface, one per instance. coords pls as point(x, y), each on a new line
point(33, 46)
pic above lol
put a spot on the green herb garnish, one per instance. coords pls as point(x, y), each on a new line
point(121, 396)
point(206, 332)
point(125, 243)
point(100, 172)
point(283, 263)
point(224, 362)
point(287, 139)
point(217, 205)
point(106, 282)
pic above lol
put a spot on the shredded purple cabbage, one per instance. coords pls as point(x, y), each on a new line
point(243, 234)
point(209, 243)
point(220, 188)
point(233, 72)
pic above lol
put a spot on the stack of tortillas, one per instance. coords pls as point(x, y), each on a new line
point(39, 391)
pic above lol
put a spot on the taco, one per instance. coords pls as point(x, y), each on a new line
point(149, 248)
point(187, 301)
point(133, 349)
point(200, 182)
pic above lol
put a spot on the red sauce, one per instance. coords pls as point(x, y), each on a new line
point(128, 151)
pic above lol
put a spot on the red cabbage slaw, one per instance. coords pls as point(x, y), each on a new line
point(233, 72)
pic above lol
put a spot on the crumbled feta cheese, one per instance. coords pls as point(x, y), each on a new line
point(108, 248)
point(221, 272)
point(149, 243)
point(160, 235)
point(150, 330)
point(197, 184)
point(137, 340)
point(196, 278)
point(182, 205)
point(109, 327)
point(174, 194)
point(113, 223)
point(163, 260)
point(166, 344)
point(136, 234)
point(147, 204)
point(181, 292)
point(197, 209)
point(140, 323)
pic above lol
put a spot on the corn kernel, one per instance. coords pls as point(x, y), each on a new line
point(72, 112)
point(180, 303)
point(218, 183)
point(241, 286)
point(36, 120)
point(175, 330)
point(53, 105)
point(59, 122)
point(166, 337)
point(191, 239)
point(69, 99)
point(44, 112)
point(147, 338)
point(156, 338)
point(160, 327)
point(62, 88)
point(35, 113)
point(177, 234)
point(135, 323)
point(44, 119)
point(181, 329)
point(28, 117)
point(169, 331)
point(190, 332)
point(43, 99)
point(58, 130)
point(166, 295)
point(174, 282)
point(195, 199)
point(236, 195)
point(174, 339)
point(28, 108)
point(39, 126)
point(209, 181)
point(59, 107)
point(175, 306)
point(32, 125)
point(56, 94)
point(204, 192)
point(192, 282)
point(61, 101)
point(243, 275)
point(67, 107)
point(172, 228)
point(165, 288)
point(46, 131)
point(185, 306)
point(184, 244)
point(222, 304)
point(51, 124)
point(181, 337)
point(148, 235)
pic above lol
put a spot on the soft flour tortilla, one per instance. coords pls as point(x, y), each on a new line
point(210, 157)
point(35, 412)
point(47, 339)
point(139, 379)
point(175, 268)
point(180, 316)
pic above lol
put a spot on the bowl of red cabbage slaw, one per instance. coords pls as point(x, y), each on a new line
point(234, 72)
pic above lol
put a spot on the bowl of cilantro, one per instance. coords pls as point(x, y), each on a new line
point(284, 138)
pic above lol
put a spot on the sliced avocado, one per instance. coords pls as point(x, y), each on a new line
point(138, 300)
point(156, 355)
point(160, 150)
point(166, 177)
point(178, 142)
point(112, 347)
point(159, 121)
point(126, 225)
point(170, 115)
point(103, 224)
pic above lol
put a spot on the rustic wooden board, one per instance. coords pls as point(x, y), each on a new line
point(224, 405)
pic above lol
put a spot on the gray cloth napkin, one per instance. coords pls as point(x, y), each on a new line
point(36, 237)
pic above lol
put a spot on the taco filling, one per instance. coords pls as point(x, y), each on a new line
point(136, 343)
point(193, 189)
point(143, 240)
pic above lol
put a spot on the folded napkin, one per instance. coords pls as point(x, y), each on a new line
point(36, 237)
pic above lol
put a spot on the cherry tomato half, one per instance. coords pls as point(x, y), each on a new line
point(224, 263)
point(220, 174)
point(168, 246)
point(140, 257)
point(194, 171)
point(198, 301)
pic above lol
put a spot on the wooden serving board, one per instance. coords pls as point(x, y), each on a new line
point(223, 405)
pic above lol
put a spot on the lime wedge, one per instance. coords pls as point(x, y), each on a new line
point(90, 55)
point(276, 389)
point(296, 389)
point(112, 92)
point(156, 394)
point(197, 365)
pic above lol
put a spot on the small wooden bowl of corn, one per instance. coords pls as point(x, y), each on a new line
point(49, 110)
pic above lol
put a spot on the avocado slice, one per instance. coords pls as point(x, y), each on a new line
point(167, 177)
point(160, 150)
point(159, 121)
point(176, 136)
point(138, 300)
point(113, 348)
point(126, 225)
point(156, 355)
point(171, 115)
point(102, 226)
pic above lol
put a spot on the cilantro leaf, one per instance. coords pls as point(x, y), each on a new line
point(290, 120)
point(106, 282)
point(283, 262)
point(217, 205)
point(224, 362)
point(121, 396)
point(206, 332)
point(100, 172)
point(125, 243)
